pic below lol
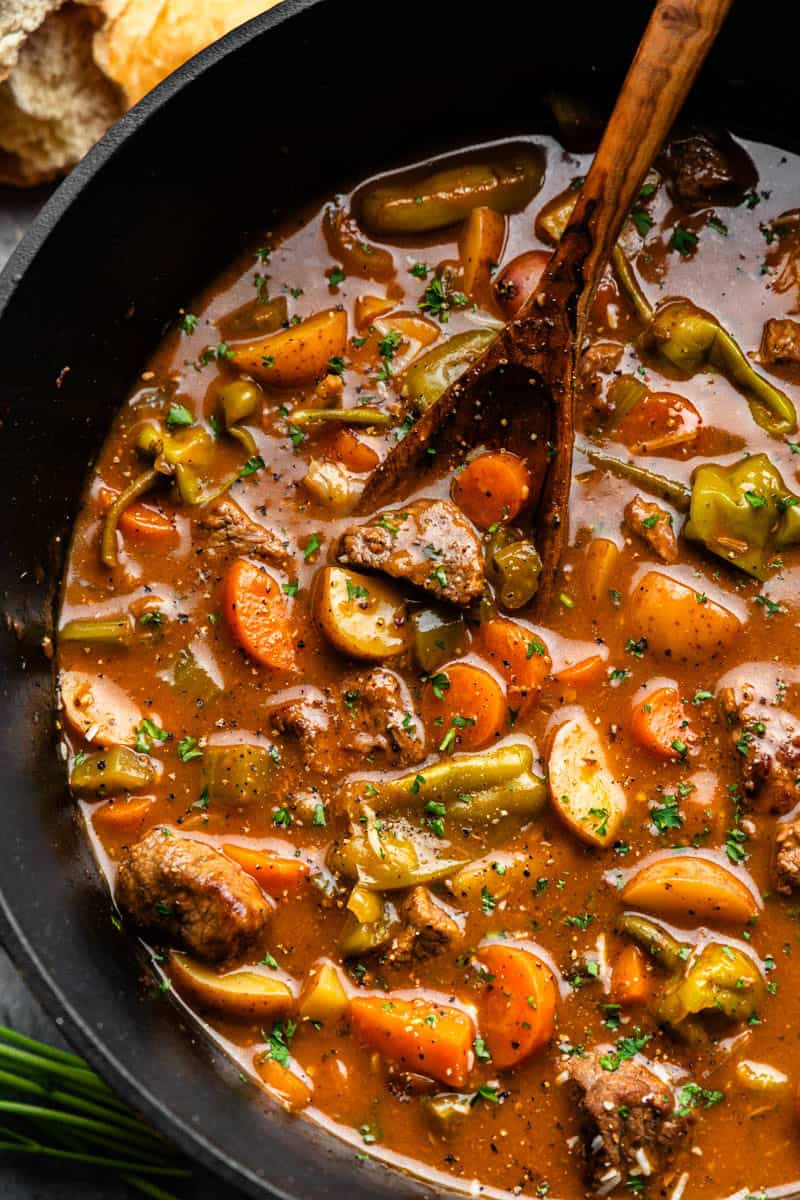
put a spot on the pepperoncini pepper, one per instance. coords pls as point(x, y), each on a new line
point(743, 513)
point(720, 980)
point(689, 339)
point(683, 336)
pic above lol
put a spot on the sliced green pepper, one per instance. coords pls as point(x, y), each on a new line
point(449, 1110)
point(189, 675)
point(430, 376)
point(387, 855)
point(239, 774)
point(743, 513)
point(256, 318)
point(109, 772)
point(238, 400)
point(513, 565)
point(440, 635)
point(369, 924)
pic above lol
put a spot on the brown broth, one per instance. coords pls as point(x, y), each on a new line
point(529, 1142)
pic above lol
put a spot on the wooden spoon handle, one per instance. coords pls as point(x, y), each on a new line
point(676, 41)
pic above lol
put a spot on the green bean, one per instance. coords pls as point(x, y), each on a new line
point(108, 772)
point(630, 285)
point(480, 786)
point(660, 945)
point(513, 565)
point(362, 417)
point(98, 631)
point(670, 489)
point(108, 540)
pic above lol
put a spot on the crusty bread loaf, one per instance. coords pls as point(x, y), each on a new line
point(69, 69)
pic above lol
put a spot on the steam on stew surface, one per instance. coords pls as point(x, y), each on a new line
point(510, 901)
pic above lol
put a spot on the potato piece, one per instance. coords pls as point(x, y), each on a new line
point(516, 283)
point(419, 204)
point(602, 556)
point(498, 873)
point(239, 995)
point(298, 355)
point(680, 621)
point(480, 249)
point(332, 485)
point(98, 709)
point(686, 885)
point(582, 788)
point(324, 996)
point(362, 616)
point(760, 1076)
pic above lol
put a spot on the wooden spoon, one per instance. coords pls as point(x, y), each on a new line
point(520, 393)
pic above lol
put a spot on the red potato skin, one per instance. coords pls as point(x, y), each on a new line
point(518, 280)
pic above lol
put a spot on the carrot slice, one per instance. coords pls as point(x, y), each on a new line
point(345, 448)
point(520, 656)
point(629, 980)
point(122, 816)
point(582, 673)
point(255, 608)
point(685, 885)
point(140, 520)
point(278, 876)
point(518, 1010)
point(421, 1035)
point(492, 488)
point(463, 708)
point(658, 723)
point(283, 1083)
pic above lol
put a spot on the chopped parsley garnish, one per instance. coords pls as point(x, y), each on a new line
point(178, 415)
point(683, 240)
point(336, 276)
point(311, 547)
point(187, 749)
point(147, 732)
point(189, 322)
point(256, 463)
point(627, 1048)
point(691, 1095)
point(666, 816)
point(279, 1040)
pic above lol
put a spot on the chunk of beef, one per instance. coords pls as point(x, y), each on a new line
point(653, 523)
point(780, 342)
point(379, 716)
point(630, 1122)
point(766, 738)
point(231, 533)
point(427, 929)
point(430, 543)
point(786, 864)
point(185, 889)
point(707, 167)
point(601, 358)
point(369, 713)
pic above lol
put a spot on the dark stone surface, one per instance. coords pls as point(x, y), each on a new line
point(30, 1180)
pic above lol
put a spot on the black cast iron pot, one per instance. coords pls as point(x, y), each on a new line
point(284, 109)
